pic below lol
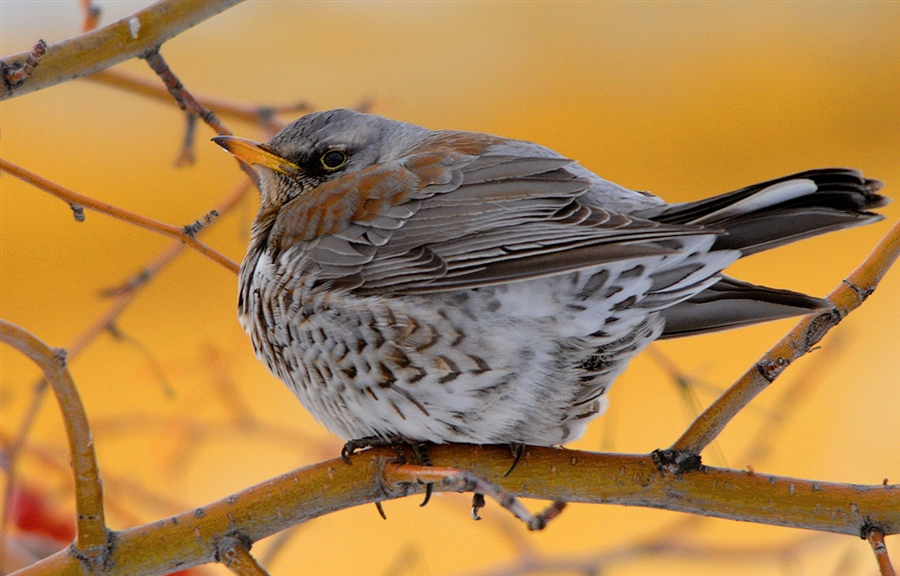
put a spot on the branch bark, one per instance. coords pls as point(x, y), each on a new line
point(104, 47)
point(91, 539)
point(194, 537)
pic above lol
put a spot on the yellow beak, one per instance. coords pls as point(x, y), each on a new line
point(251, 153)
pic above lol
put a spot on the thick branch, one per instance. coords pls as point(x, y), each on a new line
point(848, 296)
point(110, 45)
point(192, 538)
point(91, 527)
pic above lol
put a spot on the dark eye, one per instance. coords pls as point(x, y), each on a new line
point(333, 159)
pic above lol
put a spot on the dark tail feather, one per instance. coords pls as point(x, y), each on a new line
point(731, 303)
point(783, 210)
point(757, 218)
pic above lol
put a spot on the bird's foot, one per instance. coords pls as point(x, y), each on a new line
point(352, 446)
point(517, 449)
point(419, 450)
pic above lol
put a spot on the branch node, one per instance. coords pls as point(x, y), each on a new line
point(875, 536)
point(226, 545)
point(60, 355)
point(819, 326)
point(868, 527)
point(13, 77)
point(862, 293)
point(181, 95)
point(77, 211)
point(540, 520)
point(676, 462)
point(770, 369)
point(128, 286)
point(266, 114)
point(198, 225)
point(477, 504)
point(96, 558)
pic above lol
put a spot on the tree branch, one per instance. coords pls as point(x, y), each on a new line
point(848, 296)
point(262, 115)
point(91, 539)
point(79, 201)
point(110, 45)
point(193, 538)
point(875, 538)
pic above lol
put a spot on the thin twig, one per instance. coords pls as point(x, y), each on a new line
point(123, 297)
point(184, 98)
point(235, 554)
point(187, 102)
point(91, 15)
point(91, 537)
point(848, 296)
point(803, 382)
point(875, 538)
point(463, 481)
point(186, 156)
point(142, 221)
point(266, 116)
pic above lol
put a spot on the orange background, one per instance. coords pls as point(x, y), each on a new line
point(683, 99)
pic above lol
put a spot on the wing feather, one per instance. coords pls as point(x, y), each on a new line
point(488, 219)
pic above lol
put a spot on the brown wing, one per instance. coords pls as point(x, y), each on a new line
point(436, 222)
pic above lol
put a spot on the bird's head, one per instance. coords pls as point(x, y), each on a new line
point(319, 147)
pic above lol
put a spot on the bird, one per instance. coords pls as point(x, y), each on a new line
point(441, 286)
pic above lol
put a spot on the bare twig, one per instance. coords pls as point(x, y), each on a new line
point(201, 223)
point(266, 116)
point(875, 538)
point(184, 98)
point(463, 481)
point(849, 295)
point(99, 49)
point(187, 102)
point(91, 537)
point(186, 156)
point(670, 539)
point(142, 221)
point(803, 382)
point(91, 15)
point(235, 554)
point(123, 297)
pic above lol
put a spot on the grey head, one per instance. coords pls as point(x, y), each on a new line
point(326, 143)
point(319, 147)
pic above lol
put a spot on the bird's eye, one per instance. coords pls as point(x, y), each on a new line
point(333, 159)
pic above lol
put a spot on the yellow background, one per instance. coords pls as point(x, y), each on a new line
point(683, 99)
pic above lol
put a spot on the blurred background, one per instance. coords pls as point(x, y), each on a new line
point(683, 99)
